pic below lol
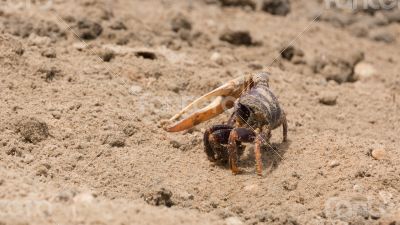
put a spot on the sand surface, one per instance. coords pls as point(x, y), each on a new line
point(81, 138)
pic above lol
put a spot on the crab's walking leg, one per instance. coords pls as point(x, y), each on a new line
point(237, 136)
point(217, 134)
point(257, 153)
point(285, 127)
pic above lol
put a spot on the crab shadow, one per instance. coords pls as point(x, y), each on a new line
point(272, 156)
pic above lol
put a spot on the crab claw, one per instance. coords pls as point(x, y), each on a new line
point(226, 94)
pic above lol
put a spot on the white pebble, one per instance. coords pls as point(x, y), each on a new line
point(217, 58)
point(233, 221)
point(334, 163)
point(379, 153)
point(363, 71)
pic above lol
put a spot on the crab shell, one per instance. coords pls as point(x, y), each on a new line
point(225, 97)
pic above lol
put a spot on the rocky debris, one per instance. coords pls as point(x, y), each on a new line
point(379, 153)
point(50, 73)
point(88, 30)
point(339, 69)
point(238, 3)
point(49, 53)
point(106, 55)
point(237, 37)
point(32, 130)
point(118, 25)
point(276, 7)
point(328, 98)
point(293, 54)
point(161, 197)
point(364, 70)
point(180, 22)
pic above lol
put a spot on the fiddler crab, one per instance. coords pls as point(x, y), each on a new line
point(256, 113)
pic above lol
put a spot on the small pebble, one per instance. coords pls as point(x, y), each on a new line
point(379, 154)
point(135, 89)
point(358, 188)
point(79, 46)
point(233, 221)
point(334, 163)
point(217, 58)
point(328, 99)
point(84, 198)
point(250, 187)
point(363, 71)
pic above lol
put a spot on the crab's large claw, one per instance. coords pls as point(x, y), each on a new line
point(225, 94)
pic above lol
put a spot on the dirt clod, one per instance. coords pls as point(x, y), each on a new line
point(107, 55)
point(292, 53)
point(276, 7)
point(239, 3)
point(130, 130)
point(50, 73)
point(32, 130)
point(89, 30)
point(43, 170)
point(180, 22)
point(115, 140)
point(237, 37)
point(175, 143)
point(339, 69)
point(161, 197)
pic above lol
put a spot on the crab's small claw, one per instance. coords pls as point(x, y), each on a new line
point(225, 94)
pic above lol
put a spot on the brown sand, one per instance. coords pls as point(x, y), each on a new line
point(80, 131)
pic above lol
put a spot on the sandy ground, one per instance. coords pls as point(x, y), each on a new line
point(81, 138)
